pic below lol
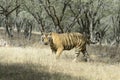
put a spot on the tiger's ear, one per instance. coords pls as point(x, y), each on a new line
point(50, 33)
point(50, 36)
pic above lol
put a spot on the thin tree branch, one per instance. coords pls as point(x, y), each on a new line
point(12, 10)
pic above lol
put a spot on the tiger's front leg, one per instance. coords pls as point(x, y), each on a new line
point(58, 53)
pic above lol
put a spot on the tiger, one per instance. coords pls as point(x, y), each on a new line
point(66, 41)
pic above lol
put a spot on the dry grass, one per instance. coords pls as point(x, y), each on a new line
point(39, 64)
point(26, 60)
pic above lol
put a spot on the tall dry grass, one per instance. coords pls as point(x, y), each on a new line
point(39, 64)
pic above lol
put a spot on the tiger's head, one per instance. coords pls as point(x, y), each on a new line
point(46, 38)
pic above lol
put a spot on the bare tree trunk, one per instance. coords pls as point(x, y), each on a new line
point(6, 12)
point(17, 10)
point(8, 28)
point(91, 30)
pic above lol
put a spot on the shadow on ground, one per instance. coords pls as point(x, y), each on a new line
point(30, 72)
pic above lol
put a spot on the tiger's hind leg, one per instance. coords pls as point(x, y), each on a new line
point(86, 56)
point(77, 53)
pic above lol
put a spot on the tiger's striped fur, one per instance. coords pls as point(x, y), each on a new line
point(66, 41)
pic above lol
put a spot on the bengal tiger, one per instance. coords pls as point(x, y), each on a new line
point(66, 41)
